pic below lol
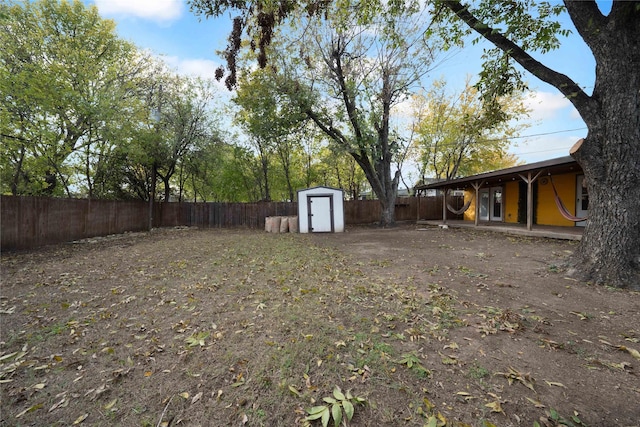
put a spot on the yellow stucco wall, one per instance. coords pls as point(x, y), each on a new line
point(470, 214)
point(547, 211)
point(510, 213)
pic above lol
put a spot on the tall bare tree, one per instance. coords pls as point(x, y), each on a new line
point(346, 78)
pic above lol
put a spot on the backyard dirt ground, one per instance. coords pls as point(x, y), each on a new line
point(424, 327)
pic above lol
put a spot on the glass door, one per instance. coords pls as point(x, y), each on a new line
point(483, 211)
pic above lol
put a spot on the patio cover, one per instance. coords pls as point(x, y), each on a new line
point(529, 173)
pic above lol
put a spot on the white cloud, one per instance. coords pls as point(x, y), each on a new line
point(545, 147)
point(204, 68)
point(194, 67)
point(155, 10)
point(546, 105)
point(404, 108)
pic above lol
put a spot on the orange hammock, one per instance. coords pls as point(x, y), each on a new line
point(562, 208)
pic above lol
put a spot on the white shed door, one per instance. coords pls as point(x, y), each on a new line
point(320, 214)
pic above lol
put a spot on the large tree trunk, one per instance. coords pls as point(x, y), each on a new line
point(388, 214)
point(609, 252)
point(383, 186)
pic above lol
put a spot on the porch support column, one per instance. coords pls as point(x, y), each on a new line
point(444, 205)
point(529, 179)
point(476, 186)
point(418, 209)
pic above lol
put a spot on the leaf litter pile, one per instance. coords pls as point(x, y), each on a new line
point(401, 327)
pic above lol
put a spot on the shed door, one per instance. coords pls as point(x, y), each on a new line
point(320, 210)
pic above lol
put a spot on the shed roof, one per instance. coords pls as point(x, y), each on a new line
point(551, 166)
point(320, 187)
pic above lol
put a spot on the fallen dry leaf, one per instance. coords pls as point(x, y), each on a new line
point(196, 398)
point(536, 403)
point(29, 409)
point(111, 404)
point(631, 351)
point(495, 407)
point(80, 419)
point(554, 383)
point(61, 404)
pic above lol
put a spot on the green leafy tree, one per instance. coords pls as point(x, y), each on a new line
point(261, 116)
point(277, 129)
point(456, 135)
point(111, 138)
point(346, 78)
point(216, 171)
point(63, 75)
point(609, 252)
point(336, 169)
point(186, 121)
point(243, 174)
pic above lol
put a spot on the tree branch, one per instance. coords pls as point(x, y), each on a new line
point(587, 19)
point(563, 83)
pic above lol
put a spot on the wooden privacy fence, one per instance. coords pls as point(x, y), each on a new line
point(220, 215)
point(29, 222)
point(430, 208)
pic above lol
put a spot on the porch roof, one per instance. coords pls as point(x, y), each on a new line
point(549, 167)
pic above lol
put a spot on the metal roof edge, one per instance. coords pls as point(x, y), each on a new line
point(321, 186)
point(558, 161)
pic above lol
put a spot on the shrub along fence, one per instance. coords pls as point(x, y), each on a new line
point(29, 222)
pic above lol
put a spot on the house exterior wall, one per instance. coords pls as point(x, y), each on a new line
point(470, 214)
point(511, 195)
point(546, 210)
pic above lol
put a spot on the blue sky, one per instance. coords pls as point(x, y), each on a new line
point(189, 44)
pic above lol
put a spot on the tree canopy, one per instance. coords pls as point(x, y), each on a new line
point(64, 74)
point(456, 135)
point(87, 114)
point(346, 77)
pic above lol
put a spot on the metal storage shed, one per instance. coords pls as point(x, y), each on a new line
point(321, 209)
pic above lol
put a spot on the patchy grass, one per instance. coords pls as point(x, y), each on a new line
point(190, 327)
